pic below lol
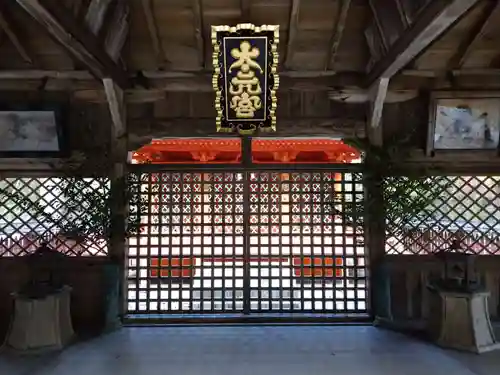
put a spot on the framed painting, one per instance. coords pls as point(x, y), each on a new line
point(464, 121)
point(32, 132)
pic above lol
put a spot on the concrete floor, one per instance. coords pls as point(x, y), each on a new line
point(249, 350)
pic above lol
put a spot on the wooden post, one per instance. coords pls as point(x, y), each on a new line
point(117, 239)
point(375, 232)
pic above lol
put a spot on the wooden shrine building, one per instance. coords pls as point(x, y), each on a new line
point(248, 224)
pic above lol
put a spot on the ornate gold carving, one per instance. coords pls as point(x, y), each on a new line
point(245, 87)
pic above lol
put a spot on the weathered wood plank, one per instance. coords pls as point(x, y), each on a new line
point(245, 6)
point(77, 40)
point(292, 32)
point(379, 93)
point(434, 19)
point(198, 32)
point(115, 97)
point(7, 27)
point(141, 130)
point(488, 15)
point(338, 32)
point(387, 19)
point(96, 13)
point(147, 6)
point(118, 31)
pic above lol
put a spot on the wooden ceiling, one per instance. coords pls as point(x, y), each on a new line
point(158, 51)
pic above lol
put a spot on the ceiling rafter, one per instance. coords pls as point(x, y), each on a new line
point(148, 8)
point(76, 39)
point(77, 8)
point(338, 31)
point(245, 10)
point(9, 31)
point(378, 25)
point(402, 13)
point(432, 21)
point(477, 31)
point(96, 13)
point(292, 32)
point(198, 32)
point(116, 103)
point(118, 29)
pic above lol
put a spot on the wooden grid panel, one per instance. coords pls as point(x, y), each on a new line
point(468, 209)
point(188, 256)
point(310, 259)
point(245, 242)
point(36, 209)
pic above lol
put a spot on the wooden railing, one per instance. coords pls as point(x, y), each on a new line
point(407, 277)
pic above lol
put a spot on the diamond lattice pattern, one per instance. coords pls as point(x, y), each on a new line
point(23, 224)
point(468, 209)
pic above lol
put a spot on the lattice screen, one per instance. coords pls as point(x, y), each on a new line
point(32, 209)
point(467, 209)
point(256, 241)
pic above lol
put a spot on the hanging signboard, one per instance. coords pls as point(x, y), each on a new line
point(245, 79)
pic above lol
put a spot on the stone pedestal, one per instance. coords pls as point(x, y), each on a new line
point(461, 321)
point(41, 324)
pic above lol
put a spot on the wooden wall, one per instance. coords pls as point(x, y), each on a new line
point(84, 275)
point(407, 278)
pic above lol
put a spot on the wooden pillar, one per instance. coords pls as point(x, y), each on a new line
point(115, 274)
point(375, 232)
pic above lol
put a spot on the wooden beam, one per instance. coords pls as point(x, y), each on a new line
point(388, 20)
point(361, 95)
point(477, 31)
point(433, 20)
point(87, 88)
point(379, 93)
point(142, 130)
point(96, 13)
point(115, 98)
point(378, 25)
point(77, 8)
point(402, 13)
point(77, 40)
point(147, 6)
point(118, 31)
point(292, 32)
point(338, 32)
point(245, 11)
point(6, 26)
point(198, 32)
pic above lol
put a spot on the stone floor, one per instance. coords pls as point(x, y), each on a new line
point(262, 350)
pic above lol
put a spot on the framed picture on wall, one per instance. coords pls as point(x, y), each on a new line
point(33, 133)
point(464, 121)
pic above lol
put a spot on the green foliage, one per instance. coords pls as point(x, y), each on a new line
point(81, 208)
point(408, 193)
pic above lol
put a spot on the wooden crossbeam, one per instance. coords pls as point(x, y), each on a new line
point(115, 98)
point(199, 27)
point(118, 31)
point(205, 127)
point(490, 11)
point(432, 21)
point(245, 11)
point(6, 26)
point(76, 39)
point(96, 14)
point(338, 32)
point(147, 6)
point(292, 31)
point(378, 95)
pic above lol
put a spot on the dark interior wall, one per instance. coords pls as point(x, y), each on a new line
point(84, 275)
point(410, 117)
point(86, 126)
